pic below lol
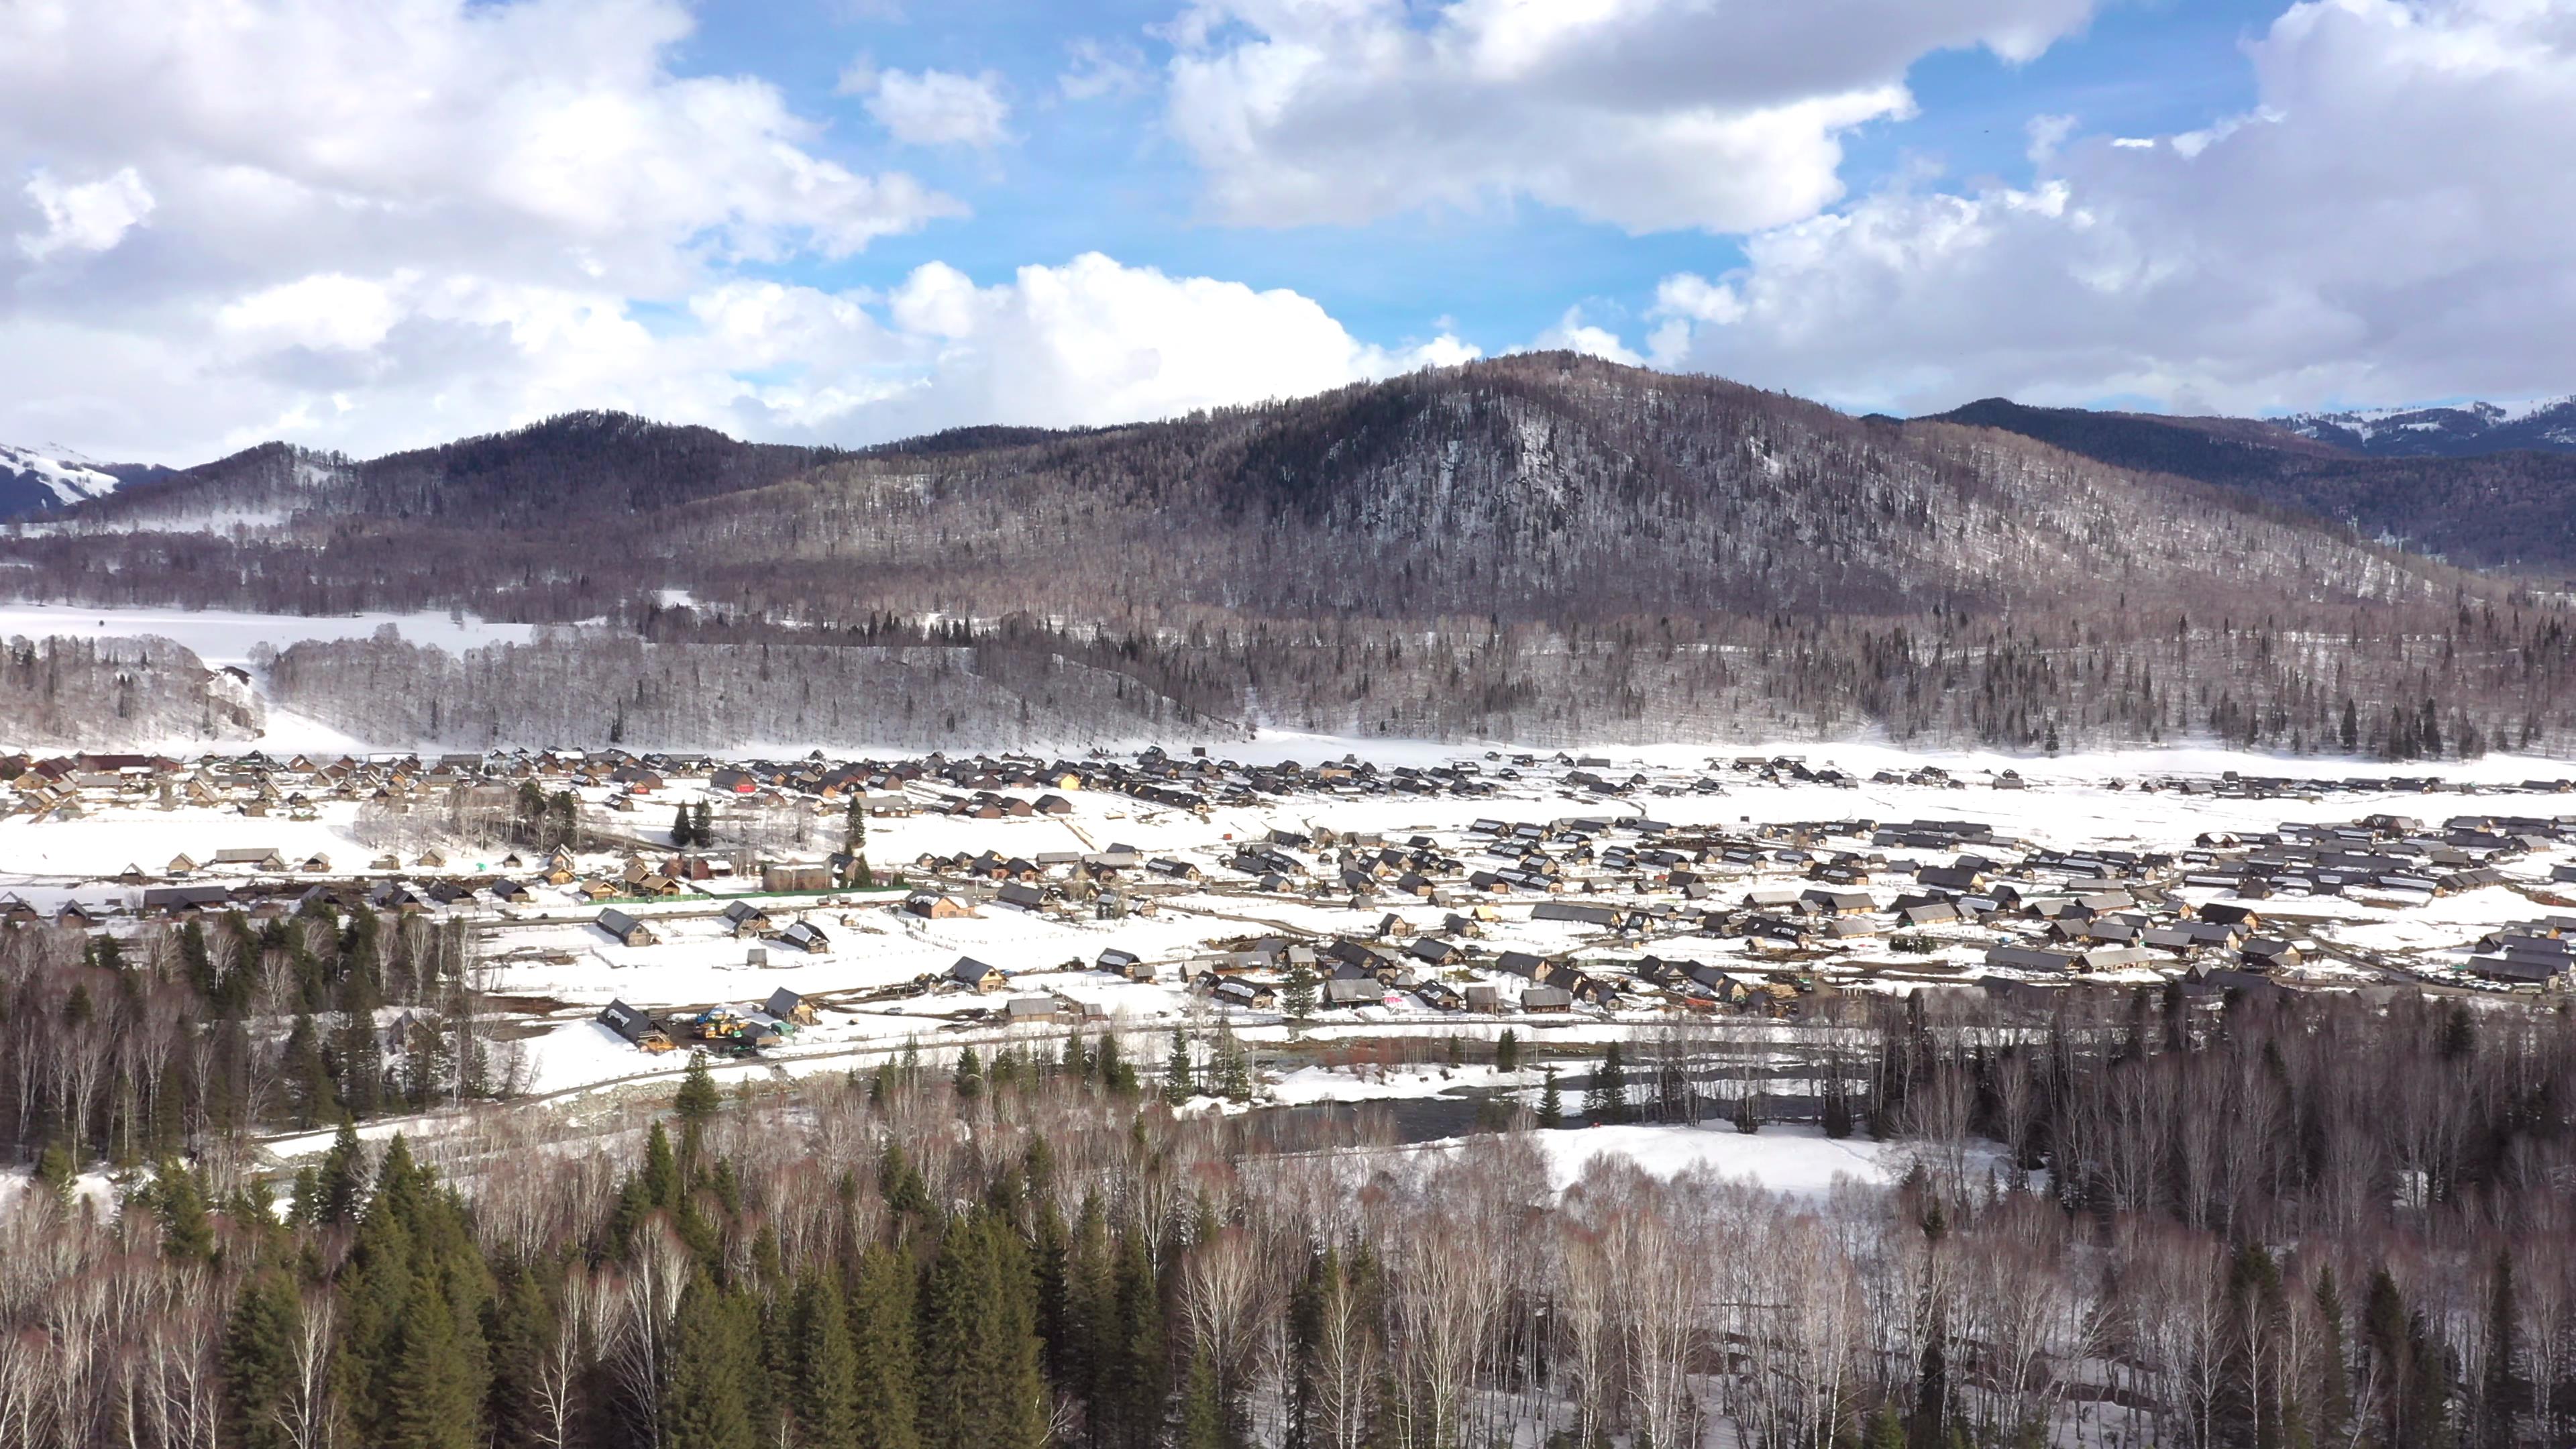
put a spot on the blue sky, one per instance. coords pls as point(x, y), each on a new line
point(1107, 176)
point(366, 226)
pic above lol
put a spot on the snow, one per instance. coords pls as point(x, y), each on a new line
point(70, 477)
point(221, 637)
point(1796, 1159)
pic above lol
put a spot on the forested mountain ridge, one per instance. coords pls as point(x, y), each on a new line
point(2485, 496)
point(1540, 547)
point(2463, 430)
point(564, 469)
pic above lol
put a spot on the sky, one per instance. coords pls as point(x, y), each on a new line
point(365, 225)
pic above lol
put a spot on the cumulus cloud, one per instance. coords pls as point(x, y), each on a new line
point(2395, 219)
point(1097, 342)
point(1647, 114)
point(375, 226)
point(934, 107)
point(89, 217)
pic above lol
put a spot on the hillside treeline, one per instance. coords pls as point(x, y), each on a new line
point(1543, 548)
point(213, 1030)
point(108, 694)
point(2161, 1224)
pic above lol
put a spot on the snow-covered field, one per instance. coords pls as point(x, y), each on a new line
point(219, 637)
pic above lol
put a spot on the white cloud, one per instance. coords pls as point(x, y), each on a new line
point(90, 217)
point(2395, 219)
point(1647, 114)
point(935, 107)
point(1571, 333)
point(1094, 342)
point(398, 220)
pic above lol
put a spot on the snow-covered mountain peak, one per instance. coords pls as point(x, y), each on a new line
point(49, 477)
point(2446, 430)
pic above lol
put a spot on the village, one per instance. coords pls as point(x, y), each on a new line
point(809, 912)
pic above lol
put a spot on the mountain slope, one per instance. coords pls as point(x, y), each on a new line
point(573, 467)
point(2483, 509)
point(35, 480)
point(1538, 547)
point(2467, 430)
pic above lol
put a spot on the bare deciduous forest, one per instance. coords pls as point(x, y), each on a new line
point(1545, 548)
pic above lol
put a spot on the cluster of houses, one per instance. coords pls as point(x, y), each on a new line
point(736, 1032)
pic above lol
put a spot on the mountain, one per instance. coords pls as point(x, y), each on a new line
point(2514, 508)
point(2463, 431)
point(573, 466)
point(1544, 547)
point(34, 480)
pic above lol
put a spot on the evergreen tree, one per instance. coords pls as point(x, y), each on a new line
point(982, 1383)
point(414, 1367)
point(1297, 996)
point(1110, 1064)
point(258, 1362)
point(706, 1403)
point(697, 1099)
point(310, 1092)
point(702, 826)
point(1551, 1102)
point(826, 1367)
point(56, 1174)
point(360, 1054)
point(661, 1180)
point(186, 1235)
point(1608, 1101)
point(1178, 1086)
point(343, 1178)
point(1203, 1416)
point(1136, 1378)
point(681, 835)
point(1507, 1051)
point(885, 1402)
point(969, 1080)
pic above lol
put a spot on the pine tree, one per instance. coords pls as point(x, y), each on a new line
point(343, 1179)
point(186, 1235)
point(258, 1362)
point(697, 1099)
point(1202, 1409)
point(969, 1080)
point(56, 1174)
point(1297, 996)
point(702, 826)
point(885, 1402)
point(657, 1185)
point(361, 1055)
point(1507, 1051)
point(1136, 1386)
point(680, 832)
point(1608, 1101)
point(1177, 1084)
point(826, 1383)
point(1551, 1102)
point(705, 1404)
point(982, 1383)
